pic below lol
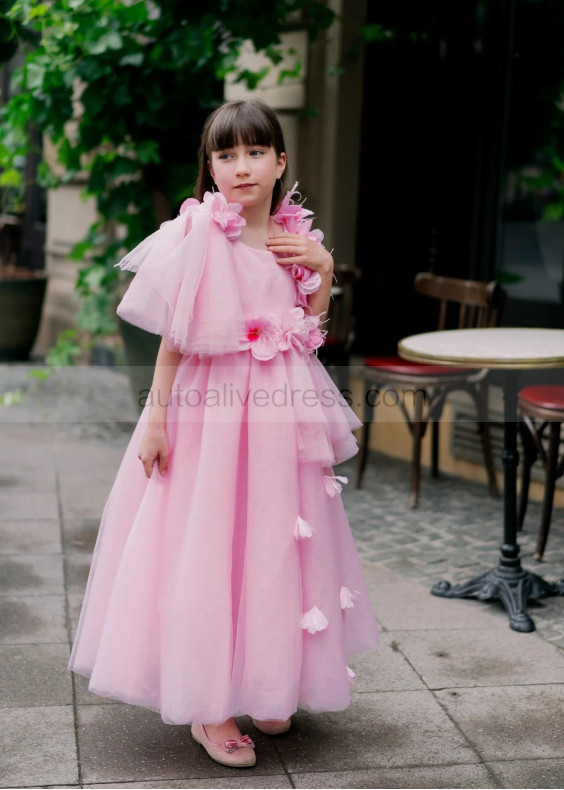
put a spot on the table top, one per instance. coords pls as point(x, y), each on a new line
point(500, 347)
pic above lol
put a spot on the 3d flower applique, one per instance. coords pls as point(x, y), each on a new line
point(351, 674)
point(262, 335)
point(333, 484)
point(294, 218)
point(348, 597)
point(314, 620)
point(303, 529)
point(224, 214)
point(294, 329)
point(315, 335)
point(307, 282)
point(188, 203)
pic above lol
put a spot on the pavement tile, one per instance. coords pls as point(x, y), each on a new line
point(31, 573)
point(26, 619)
point(96, 462)
point(33, 675)
point(77, 568)
point(476, 657)
point(38, 747)
point(74, 608)
point(529, 773)
point(42, 536)
point(385, 669)
point(409, 606)
point(86, 697)
point(389, 729)
point(238, 780)
point(518, 722)
point(441, 776)
point(28, 504)
point(79, 535)
point(127, 743)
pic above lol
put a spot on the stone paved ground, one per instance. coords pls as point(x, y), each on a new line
point(453, 698)
point(454, 534)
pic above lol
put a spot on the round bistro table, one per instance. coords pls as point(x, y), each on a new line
point(510, 350)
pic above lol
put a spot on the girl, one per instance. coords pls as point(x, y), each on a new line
point(225, 580)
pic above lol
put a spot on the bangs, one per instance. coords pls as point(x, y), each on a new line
point(240, 125)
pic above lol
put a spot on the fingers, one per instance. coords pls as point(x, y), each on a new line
point(149, 461)
point(147, 464)
point(163, 463)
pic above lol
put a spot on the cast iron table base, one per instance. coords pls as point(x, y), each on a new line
point(508, 581)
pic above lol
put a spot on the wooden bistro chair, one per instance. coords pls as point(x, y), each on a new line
point(541, 409)
point(335, 352)
point(461, 304)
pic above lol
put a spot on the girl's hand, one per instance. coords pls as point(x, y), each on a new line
point(154, 445)
point(296, 248)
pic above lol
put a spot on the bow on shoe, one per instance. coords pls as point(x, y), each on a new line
point(233, 744)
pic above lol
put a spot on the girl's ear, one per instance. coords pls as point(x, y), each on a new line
point(281, 166)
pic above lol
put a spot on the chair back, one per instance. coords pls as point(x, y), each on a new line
point(464, 304)
point(340, 324)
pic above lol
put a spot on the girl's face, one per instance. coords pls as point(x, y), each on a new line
point(246, 174)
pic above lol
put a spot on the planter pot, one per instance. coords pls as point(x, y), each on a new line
point(21, 304)
point(140, 350)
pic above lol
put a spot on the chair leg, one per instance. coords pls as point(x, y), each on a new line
point(550, 481)
point(418, 431)
point(435, 448)
point(368, 417)
point(484, 428)
point(530, 455)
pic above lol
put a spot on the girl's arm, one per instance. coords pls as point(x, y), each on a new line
point(306, 252)
point(154, 444)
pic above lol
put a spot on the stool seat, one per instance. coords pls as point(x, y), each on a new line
point(549, 396)
point(396, 364)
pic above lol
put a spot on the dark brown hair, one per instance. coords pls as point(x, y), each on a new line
point(235, 123)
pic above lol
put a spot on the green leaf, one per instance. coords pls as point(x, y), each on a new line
point(38, 10)
point(11, 178)
point(148, 151)
point(132, 59)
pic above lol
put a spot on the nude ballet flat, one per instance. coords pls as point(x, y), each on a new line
point(273, 726)
point(238, 753)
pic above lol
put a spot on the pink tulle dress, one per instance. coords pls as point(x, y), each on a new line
point(232, 584)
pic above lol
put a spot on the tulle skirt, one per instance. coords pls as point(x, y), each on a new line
point(231, 585)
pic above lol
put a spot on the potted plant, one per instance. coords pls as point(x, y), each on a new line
point(22, 290)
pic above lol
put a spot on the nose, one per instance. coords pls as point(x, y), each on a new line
point(242, 165)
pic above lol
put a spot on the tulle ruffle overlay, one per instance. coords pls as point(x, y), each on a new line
point(231, 585)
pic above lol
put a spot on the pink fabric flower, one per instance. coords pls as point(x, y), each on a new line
point(294, 330)
point(307, 282)
point(348, 597)
point(333, 484)
point(187, 204)
point(225, 214)
point(314, 620)
point(351, 674)
point(315, 336)
point(294, 217)
point(302, 529)
point(262, 335)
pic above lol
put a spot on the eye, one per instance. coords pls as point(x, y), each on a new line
point(257, 152)
point(224, 156)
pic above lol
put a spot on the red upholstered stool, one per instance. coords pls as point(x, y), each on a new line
point(541, 409)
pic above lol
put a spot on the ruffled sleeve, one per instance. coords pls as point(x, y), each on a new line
point(185, 287)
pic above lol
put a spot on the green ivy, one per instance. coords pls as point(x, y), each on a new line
point(146, 74)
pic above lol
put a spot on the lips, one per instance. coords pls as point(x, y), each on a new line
point(244, 186)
